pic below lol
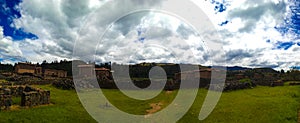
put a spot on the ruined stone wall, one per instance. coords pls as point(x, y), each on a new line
point(16, 90)
point(294, 83)
point(55, 73)
point(29, 96)
point(5, 99)
point(22, 71)
point(34, 96)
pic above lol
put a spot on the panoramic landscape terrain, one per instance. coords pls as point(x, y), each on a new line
point(249, 95)
point(149, 61)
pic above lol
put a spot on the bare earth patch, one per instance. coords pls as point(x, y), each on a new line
point(18, 107)
point(169, 92)
point(154, 108)
point(15, 107)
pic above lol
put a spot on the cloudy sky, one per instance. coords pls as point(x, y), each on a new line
point(254, 33)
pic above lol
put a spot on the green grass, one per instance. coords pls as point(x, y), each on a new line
point(3, 81)
point(130, 105)
point(261, 104)
point(16, 100)
point(66, 108)
point(258, 105)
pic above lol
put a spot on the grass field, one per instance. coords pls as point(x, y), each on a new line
point(258, 105)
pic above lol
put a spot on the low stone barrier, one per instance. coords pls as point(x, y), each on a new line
point(294, 83)
point(65, 84)
point(35, 96)
point(235, 86)
point(5, 99)
point(29, 96)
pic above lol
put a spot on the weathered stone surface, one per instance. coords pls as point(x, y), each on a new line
point(29, 96)
point(294, 83)
point(34, 96)
point(237, 86)
point(5, 99)
point(64, 84)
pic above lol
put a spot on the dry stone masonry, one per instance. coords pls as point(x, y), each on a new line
point(5, 99)
point(29, 96)
point(34, 96)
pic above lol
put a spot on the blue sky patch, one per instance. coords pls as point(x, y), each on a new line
point(13, 58)
point(284, 45)
point(295, 67)
point(220, 6)
point(8, 12)
point(292, 23)
point(142, 39)
point(224, 23)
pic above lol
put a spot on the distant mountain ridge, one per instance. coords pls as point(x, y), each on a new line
point(237, 68)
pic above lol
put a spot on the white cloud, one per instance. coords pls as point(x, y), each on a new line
point(59, 23)
point(162, 42)
point(9, 50)
point(251, 25)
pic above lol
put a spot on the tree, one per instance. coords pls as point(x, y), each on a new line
point(282, 71)
point(44, 62)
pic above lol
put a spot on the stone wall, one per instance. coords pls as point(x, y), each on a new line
point(34, 96)
point(294, 83)
point(65, 84)
point(16, 90)
point(5, 99)
point(29, 96)
point(54, 73)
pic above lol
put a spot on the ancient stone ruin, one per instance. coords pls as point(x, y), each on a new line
point(29, 96)
point(294, 83)
point(5, 99)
